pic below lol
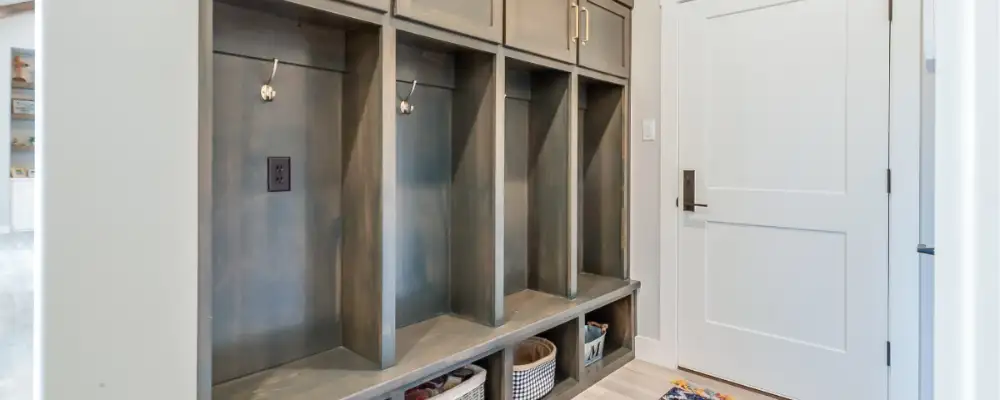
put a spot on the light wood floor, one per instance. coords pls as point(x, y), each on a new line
point(639, 380)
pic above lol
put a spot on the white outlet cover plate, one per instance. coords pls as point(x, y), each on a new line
point(648, 130)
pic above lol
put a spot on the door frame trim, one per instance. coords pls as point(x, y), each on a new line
point(904, 159)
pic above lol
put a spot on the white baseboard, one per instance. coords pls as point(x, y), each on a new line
point(653, 351)
point(4, 229)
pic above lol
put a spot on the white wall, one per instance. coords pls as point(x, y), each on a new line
point(967, 195)
point(118, 237)
point(644, 234)
point(15, 31)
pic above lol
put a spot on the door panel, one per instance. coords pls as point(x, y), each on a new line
point(477, 18)
point(605, 37)
point(784, 118)
point(545, 27)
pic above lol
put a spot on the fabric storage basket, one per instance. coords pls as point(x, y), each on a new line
point(472, 389)
point(594, 342)
point(534, 368)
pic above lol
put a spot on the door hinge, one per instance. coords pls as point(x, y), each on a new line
point(677, 202)
point(888, 354)
point(888, 181)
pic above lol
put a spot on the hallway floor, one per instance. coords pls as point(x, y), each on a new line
point(639, 380)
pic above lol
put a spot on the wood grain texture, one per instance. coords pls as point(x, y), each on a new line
point(363, 268)
point(568, 338)
point(516, 193)
point(549, 192)
point(639, 380)
point(619, 317)
point(543, 27)
point(429, 67)
point(389, 191)
point(346, 15)
point(481, 19)
point(610, 37)
point(275, 290)
point(499, 375)
point(423, 209)
point(601, 163)
point(206, 114)
point(264, 36)
point(475, 289)
point(424, 349)
point(537, 185)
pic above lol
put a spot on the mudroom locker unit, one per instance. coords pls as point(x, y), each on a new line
point(393, 189)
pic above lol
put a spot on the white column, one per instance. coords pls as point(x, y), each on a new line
point(967, 179)
point(117, 294)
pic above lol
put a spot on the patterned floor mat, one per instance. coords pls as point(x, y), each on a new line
point(684, 390)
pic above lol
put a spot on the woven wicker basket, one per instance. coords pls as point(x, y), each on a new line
point(472, 389)
point(534, 368)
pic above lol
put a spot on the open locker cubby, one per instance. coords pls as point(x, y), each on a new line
point(619, 341)
point(446, 158)
point(410, 240)
point(296, 274)
point(569, 349)
point(602, 182)
point(537, 180)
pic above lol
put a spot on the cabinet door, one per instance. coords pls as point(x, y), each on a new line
point(606, 36)
point(381, 5)
point(548, 28)
point(477, 18)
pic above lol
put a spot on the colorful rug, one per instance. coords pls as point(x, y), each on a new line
point(683, 390)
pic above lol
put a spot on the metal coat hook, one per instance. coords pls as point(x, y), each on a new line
point(267, 93)
point(404, 104)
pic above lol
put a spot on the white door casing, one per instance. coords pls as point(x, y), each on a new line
point(783, 114)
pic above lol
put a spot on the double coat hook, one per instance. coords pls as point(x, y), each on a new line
point(405, 107)
point(267, 93)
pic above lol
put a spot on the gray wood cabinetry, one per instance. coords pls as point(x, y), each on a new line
point(477, 18)
point(382, 5)
point(412, 240)
point(606, 36)
point(549, 28)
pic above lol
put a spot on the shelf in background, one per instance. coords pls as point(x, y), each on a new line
point(23, 117)
point(22, 85)
point(22, 148)
point(425, 348)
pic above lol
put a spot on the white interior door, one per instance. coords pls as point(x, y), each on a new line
point(784, 119)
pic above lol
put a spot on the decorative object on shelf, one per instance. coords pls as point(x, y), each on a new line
point(466, 383)
point(31, 172)
point(534, 368)
point(267, 93)
point(22, 70)
point(594, 339)
point(405, 107)
point(17, 145)
point(22, 107)
point(18, 172)
point(683, 390)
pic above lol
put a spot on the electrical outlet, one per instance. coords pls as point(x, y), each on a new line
point(279, 174)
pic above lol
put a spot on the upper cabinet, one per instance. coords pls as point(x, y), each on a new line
point(545, 27)
point(477, 18)
point(381, 5)
point(606, 36)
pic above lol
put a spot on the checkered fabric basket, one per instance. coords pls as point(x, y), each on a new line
point(534, 368)
point(472, 389)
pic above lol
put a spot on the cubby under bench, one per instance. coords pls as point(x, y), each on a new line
point(438, 345)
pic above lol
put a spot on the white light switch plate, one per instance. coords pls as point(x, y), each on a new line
point(648, 130)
